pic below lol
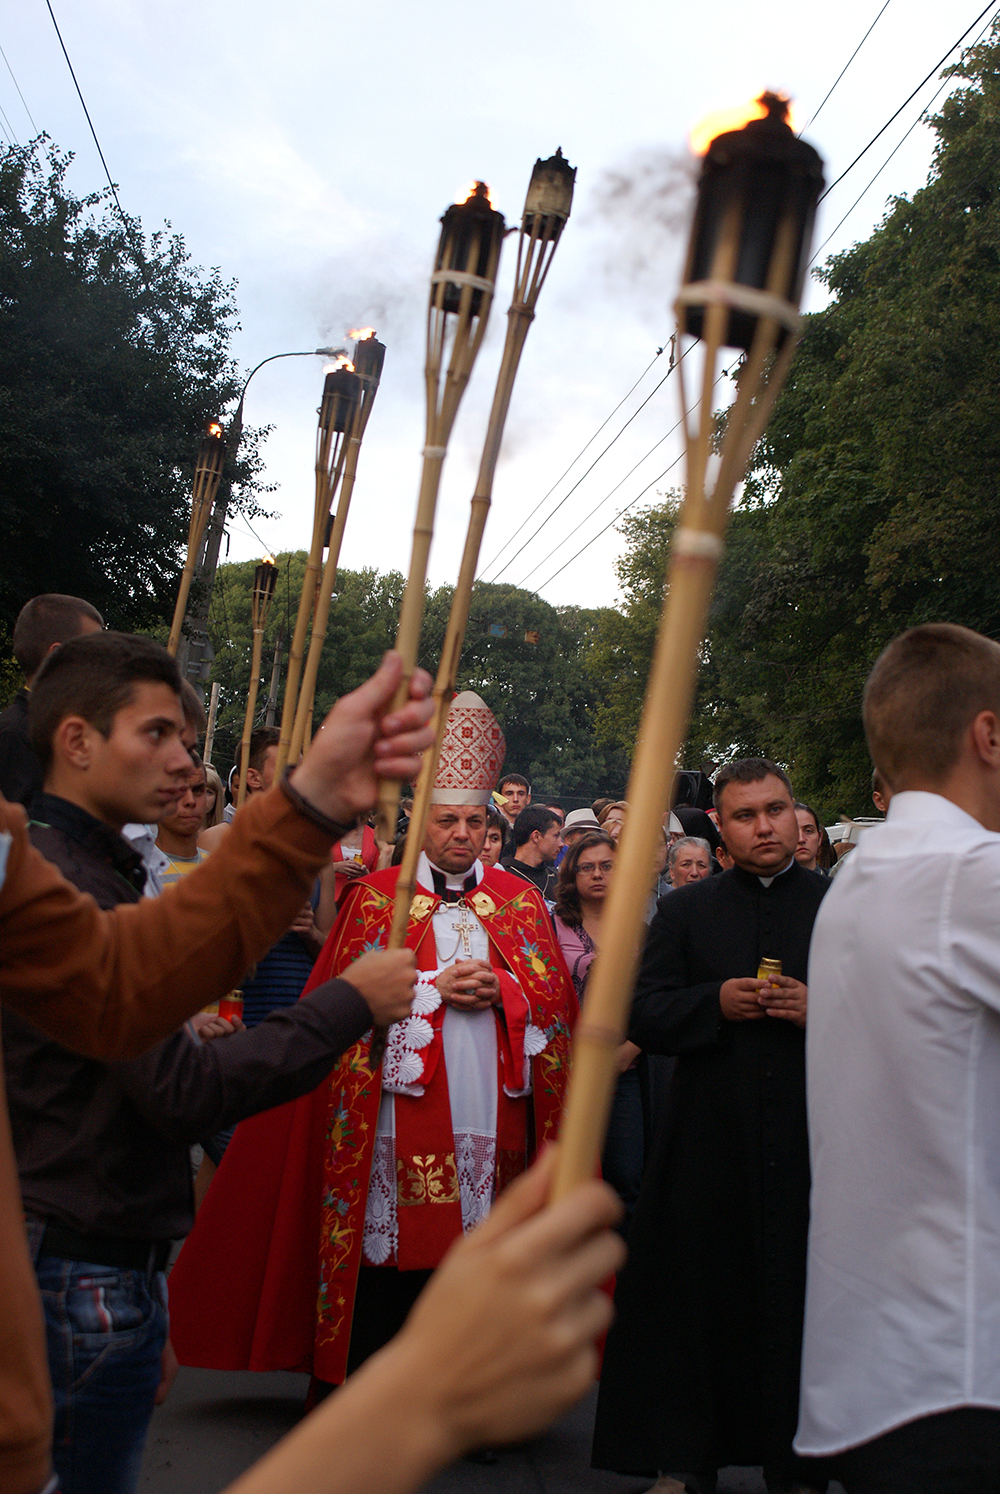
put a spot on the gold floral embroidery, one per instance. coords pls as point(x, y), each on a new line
point(483, 904)
point(427, 1180)
point(421, 906)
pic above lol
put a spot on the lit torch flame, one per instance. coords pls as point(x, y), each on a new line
point(215, 429)
point(475, 189)
point(269, 560)
point(723, 120)
point(361, 334)
point(341, 361)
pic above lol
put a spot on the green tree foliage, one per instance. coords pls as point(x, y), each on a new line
point(873, 502)
point(540, 692)
point(113, 355)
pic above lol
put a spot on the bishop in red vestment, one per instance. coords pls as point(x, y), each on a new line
point(375, 1173)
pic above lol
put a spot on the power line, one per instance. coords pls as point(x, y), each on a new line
point(614, 412)
point(847, 64)
point(507, 564)
point(878, 173)
point(20, 95)
point(114, 191)
point(631, 504)
point(908, 100)
point(8, 127)
point(609, 524)
point(931, 101)
point(538, 565)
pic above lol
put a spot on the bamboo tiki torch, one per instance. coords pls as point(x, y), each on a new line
point(546, 209)
point(265, 579)
point(742, 285)
point(207, 474)
point(368, 360)
point(341, 389)
point(462, 285)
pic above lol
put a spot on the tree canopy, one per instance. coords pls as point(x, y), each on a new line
point(873, 501)
point(114, 353)
point(523, 656)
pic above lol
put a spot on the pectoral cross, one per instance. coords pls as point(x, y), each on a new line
point(463, 928)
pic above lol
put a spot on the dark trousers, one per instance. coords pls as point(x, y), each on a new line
point(953, 1452)
point(381, 1307)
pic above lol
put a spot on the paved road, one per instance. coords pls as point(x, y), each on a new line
point(215, 1424)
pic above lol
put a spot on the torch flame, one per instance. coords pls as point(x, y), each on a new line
point(361, 334)
point(475, 189)
point(723, 120)
point(269, 560)
point(341, 361)
point(215, 429)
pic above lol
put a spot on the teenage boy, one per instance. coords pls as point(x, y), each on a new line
point(102, 1149)
point(43, 625)
point(537, 837)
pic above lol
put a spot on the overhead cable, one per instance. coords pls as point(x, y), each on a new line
point(909, 100)
point(659, 353)
point(507, 564)
point(114, 190)
point(924, 108)
point(847, 64)
point(20, 95)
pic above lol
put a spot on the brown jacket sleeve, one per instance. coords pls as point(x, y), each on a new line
point(111, 984)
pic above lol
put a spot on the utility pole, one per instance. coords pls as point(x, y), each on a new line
point(272, 696)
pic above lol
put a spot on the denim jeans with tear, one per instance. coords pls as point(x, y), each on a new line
point(106, 1328)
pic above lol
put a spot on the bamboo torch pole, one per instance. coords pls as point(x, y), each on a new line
point(207, 474)
point(368, 361)
point(265, 580)
point(341, 388)
point(746, 263)
point(546, 209)
point(213, 713)
point(462, 287)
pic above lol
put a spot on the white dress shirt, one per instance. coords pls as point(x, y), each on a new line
point(903, 1073)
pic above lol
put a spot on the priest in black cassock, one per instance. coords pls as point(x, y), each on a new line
point(702, 1365)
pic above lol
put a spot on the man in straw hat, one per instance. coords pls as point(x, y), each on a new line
point(386, 1169)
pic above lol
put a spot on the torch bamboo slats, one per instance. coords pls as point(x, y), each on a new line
point(695, 553)
point(264, 582)
point(369, 358)
point(207, 475)
point(340, 391)
point(547, 207)
point(462, 286)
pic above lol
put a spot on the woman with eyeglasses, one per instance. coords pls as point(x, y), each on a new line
point(584, 877)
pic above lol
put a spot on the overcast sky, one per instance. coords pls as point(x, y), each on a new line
point(309, 150)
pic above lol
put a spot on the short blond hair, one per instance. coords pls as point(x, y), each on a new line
point(923, 692)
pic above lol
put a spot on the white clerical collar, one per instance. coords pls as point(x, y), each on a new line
point(766, 881)
point(451, 879)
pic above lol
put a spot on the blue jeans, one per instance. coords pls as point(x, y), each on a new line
point(105, 1328)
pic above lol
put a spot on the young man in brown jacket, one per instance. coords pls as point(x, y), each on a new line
point(112, 984)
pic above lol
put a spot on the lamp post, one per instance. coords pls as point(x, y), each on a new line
point(265, 579)
point(195, 651)
point(207, 474)
point(742, 284)
point(462, 284)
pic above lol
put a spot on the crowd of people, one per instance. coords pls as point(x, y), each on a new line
point(813, 1271)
